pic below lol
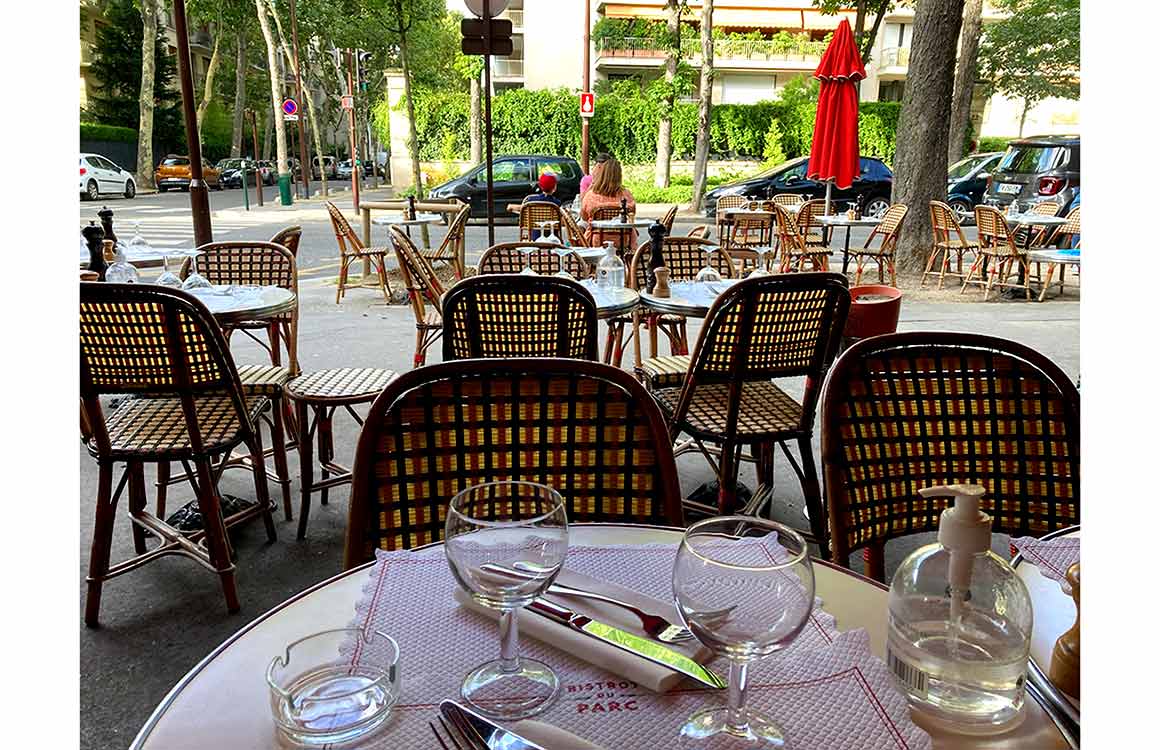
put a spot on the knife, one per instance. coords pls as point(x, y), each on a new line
point(492, 736)
point(645, 648)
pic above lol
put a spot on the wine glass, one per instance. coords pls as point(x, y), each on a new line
point(527, 269)
point(516, 525)
point(744, 586)
point(168, 278)
point(195, 281)
point(547, 232)
point(760, 269)
point(709, 273)
point(137, 241)
point(562, 252)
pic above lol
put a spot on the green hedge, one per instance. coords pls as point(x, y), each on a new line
point(993, 143)
point(91, 131)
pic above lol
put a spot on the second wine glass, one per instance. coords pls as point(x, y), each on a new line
point(709, 273)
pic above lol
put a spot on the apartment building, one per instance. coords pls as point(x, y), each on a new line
point(789, 40)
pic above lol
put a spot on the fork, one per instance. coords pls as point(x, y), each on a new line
point(467, 740)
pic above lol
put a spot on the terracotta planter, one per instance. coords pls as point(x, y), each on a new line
point(874, 310)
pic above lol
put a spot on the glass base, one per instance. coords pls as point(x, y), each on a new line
point(498, 694)
point(710, 728)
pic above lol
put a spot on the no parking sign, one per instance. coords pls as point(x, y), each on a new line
point(289, 107)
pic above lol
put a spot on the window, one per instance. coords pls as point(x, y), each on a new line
point(512, 170)
point(798, 171)
point(175, 161)
point(1030, 159)
point(890, 91)
point(562, 169)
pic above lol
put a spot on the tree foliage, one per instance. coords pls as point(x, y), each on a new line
point(1033, 54)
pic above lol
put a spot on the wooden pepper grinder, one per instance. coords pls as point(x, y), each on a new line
point(1065, 656)
point(94, 236)
point(656, 258)
point(106, 215)
point(661, 289)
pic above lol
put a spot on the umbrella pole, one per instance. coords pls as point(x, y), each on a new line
point(829, 187)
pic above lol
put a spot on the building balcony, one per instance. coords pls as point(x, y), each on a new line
point(893, 62)
point(732, 54)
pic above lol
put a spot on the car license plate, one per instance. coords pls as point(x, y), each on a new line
point(1010, 188)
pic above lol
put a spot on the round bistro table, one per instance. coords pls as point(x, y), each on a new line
point(266, 302)
point(153, 258)
point(224, 701)
point(842, 220)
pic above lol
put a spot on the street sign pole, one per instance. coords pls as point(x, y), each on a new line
point(353, 131)
point(587, 83)
point(198, 190)
point(304, 153)
point(487, 118)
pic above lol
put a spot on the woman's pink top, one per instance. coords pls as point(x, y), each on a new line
point(592, 201)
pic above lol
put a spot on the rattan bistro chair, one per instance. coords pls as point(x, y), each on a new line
point(350, 249)
point(513, 315)
point(506, 257)
point(998, 255)
point(791, 201)
point(793, 247)
point(814, 234)
point(289, 238)
point(883, 255)
point(785, 325)
point(534, 213)
point(571, 230)
point(423, 289)
point(948, 240)
point(623, 238)
point(907, 411)
point(587, 429)
point(162, 349)
point(453, 249)
point(668, 218)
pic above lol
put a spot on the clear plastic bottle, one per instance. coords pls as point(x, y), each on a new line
point(610, 269)
point(960, 624)
point(120, 271)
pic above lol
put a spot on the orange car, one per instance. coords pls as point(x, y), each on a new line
point(174, 172)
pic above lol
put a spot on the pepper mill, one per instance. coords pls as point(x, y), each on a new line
point(656, 233)
point(1064, 672)
point(106, 215)
point(624, 210)
point(94, 237)
point(410, 208)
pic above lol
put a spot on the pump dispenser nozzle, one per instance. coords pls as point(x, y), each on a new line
point(965, 531)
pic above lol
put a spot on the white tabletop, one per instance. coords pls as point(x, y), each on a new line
point(690, 298)
point(841, 220)
point(618, 224)
point(1054, 256)
point(224, 702)
point(151, 258)
point(1053, 611)
point(402, 221)
point(747, 212)
point(230, 304)
point(1034, 218)
point(611, 302)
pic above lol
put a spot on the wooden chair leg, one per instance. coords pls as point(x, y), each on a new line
point(281, 470)
point(163, 474)
point(608, 342)
point(106, 512)
point(727, 479)
point(812, 491)
point(343, 264)
point(137, 502)
point(929, 265)
point(325, 449)
point(305, 464)
point(262, 484)
point(209, 504)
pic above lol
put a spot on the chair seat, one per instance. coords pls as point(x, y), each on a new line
point(368, 252)
point(956, 244)
point(664, 372)
point(155, 428)
point(263, 380)
point(340, 385)
point(766, 410)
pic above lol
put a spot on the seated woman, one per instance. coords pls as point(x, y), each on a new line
point(607, 191)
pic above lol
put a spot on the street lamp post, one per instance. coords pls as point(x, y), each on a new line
point(198, 190)
point(303, 154)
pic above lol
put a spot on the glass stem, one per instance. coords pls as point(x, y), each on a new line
point(738, 688)
point(509, 640)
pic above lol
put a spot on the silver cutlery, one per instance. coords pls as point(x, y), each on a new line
point(467, 730)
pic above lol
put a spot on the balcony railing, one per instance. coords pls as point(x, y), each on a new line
point(895, 57)
point(758, 50)
point(507, 68)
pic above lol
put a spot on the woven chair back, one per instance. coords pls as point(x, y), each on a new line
point(943, 222)
point(505, 257)
point(587, 429)
point(1046, 208)
point(514, 315)
point(887, 229)
point(807, 214)
point(788, 200)
point(700, 232)
point(753, 230)
point(667, 220)
point(244, 263)
point(289, 239)
point(348, 240)
point(906, 411)
point(995, 237)
point(423, 286)
point(684, 257)
point(453, 243)
point(609, 213)
point(1070, 230)
point(534, 212)
point(148, 339)
point(726, 202)
point(574, 234)
point(790, 239)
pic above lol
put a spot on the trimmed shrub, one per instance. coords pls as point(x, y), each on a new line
point(91, 131)
point(994, 143)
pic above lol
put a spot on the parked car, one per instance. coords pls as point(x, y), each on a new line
point(344, 170)
point(967, 181)
point(872, 186)
point(1036, 169)
point(174, 172)
point(100, 176)
point(231, 177)
point(328, 163)
point(513, 179)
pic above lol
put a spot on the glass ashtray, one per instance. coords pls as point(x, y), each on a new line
point(322, 693)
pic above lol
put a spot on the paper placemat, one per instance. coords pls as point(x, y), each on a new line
point(1052, 556)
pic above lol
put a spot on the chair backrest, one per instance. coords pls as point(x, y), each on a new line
point(684, 257)
point(667, 220)
point(454, 246)
point(534, 212)
point(1069, 230)
point(785, 325)
point(506, 257)
point(887, 229)
point(423, 286)
point(907, 411)
point(289, 239)
point(943, 221)
point(245, 262)
point(726, 202)
point(788, 200)
point(513, 315)
point(807, 215)
point(572, 231)
point(701, 231)
point(144, 339)
point(788, 235)
point(608, 213)
point(342, 231)
point(994, 235)
point(587, 429)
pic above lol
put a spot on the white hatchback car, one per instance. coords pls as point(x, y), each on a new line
point(99, 176)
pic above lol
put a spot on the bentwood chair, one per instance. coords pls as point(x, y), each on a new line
point(814, 234)
point(1065, 236)
point(792, 201)
point(514, 315)
point(667, 220)
point(506, 257)
point(533, 213)
point(725, 222)
point(793, 247)
point(423, 289)
point(907, 411)
point(571, 229)
point(780, 326)
point(289, 238)
point(624, 239)
point(162, 351)
point(453, 249)
point(998, 255)
point(746, 232)
point(587, 429)
point(684, 257)
point(351, 249)
point(883, 255)
point(1029, 236)
point(948, 241)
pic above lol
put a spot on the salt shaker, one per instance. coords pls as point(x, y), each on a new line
point(661, 288)
point(1064, 670)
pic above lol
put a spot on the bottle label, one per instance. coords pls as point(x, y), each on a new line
point(908, 674)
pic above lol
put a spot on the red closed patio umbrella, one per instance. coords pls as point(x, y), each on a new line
point(834, 153)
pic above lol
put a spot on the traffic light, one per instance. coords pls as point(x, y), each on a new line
point(363, 57)
point(475, 41)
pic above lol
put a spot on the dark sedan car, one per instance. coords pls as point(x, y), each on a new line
point(513, 179)
point(1036, 169)
point(967, 181)
point(871, 187)
point(232, 172)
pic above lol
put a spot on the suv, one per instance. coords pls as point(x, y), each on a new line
point(872, 186)
point(1036, 169)
point(175, 172)
point(513, 179)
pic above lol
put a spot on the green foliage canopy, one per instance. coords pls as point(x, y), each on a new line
point(1033, 54)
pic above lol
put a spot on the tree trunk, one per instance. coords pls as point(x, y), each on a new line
point(476, 119)
point(705, 107)
point(965, 79)
point(267, 136)
point(310, 116)
point(868, 39)
point(665, 127)
point(145, 118)
point(275, 90)
point(239, 99)
point(1023, 115)
point(920, 174)
point(210, 75)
